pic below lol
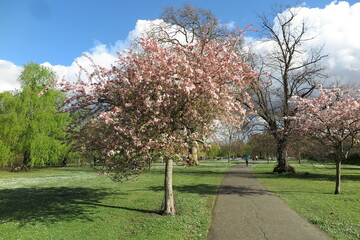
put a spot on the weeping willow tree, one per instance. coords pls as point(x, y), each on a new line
point(9, 127)
point(32, 129)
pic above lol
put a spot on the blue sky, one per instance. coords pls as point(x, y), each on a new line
point(58, 31)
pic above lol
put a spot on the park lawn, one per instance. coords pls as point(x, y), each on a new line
point(76, 203)
point(310, 192)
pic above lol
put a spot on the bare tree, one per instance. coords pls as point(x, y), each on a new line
point(190, 24)
point(195, 24)
point(286, 69)
point(263, 145)
point(230, 139)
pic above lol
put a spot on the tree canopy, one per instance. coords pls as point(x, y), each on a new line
point(32, 130)
point(333, 118)
point(155, 102)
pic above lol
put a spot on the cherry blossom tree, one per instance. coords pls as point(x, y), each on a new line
point(153, 103)
point(188, 25)
point(333, 117)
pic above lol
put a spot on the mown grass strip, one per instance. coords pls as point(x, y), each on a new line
point(75, 203)
point(310, 192)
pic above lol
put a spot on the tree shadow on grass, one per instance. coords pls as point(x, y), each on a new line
point(189, 170)
point(206, 189)
point(47, 205)
point(124, 208)
point(309, 176)
point(51, 205)
point(201, 189)
point(351, 168)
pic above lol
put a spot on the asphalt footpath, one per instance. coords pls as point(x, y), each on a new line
point(246, 210)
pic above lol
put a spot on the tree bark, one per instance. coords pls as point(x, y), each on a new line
point(193, 155)
point(283, 165)
point(24, 165)
point(169, 195)
point(229, 156)
point(338, 177)
point(26, 161)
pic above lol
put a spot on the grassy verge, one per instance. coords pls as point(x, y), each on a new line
point(310, 192)
point(75, 203)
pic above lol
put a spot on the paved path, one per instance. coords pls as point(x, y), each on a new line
point(246, 210)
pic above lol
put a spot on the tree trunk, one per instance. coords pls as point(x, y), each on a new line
point(24, 165)
point(283, 165)
point(64, 162)
point(338, 177)
point(26, 161)
point(193, 155)
point(169, 196)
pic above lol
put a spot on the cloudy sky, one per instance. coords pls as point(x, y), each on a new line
point(55, 33)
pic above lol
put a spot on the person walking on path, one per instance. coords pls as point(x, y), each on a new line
point(247, 160)
point(246, 210)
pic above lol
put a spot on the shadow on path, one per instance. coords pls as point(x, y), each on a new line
point(247, 210)
point(241, 191)
point(201, 189)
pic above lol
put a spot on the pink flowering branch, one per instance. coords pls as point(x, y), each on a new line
point(333, 117)
point(155, 103)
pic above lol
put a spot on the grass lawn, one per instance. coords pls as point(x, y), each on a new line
point(310, 192)
point(75, 203)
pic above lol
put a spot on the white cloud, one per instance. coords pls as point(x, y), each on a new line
point(230, 25)
point(140, 30)
point(101, 54)
point(143, 26)
point(9, 73)
point(335, 27)
point(159, 29)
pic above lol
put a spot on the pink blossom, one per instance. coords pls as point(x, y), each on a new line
point(334, 113)
point(157, 101)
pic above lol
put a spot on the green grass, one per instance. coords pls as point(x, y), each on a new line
point(75, 203)
point(310, 192)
